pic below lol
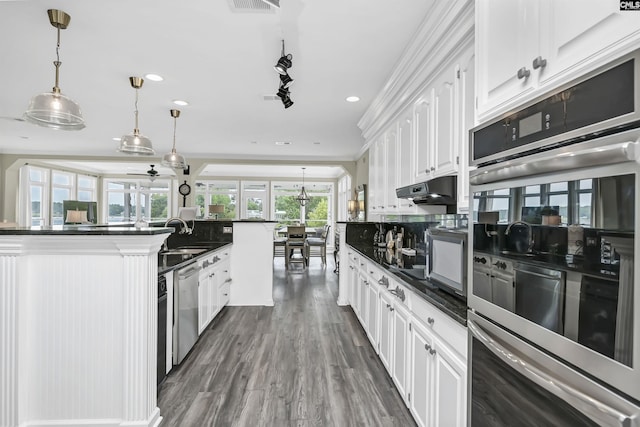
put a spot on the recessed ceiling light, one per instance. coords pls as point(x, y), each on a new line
point(316, 143)
point(283, 143)
point(180, 102)
point(154, 77)
point(352, 99)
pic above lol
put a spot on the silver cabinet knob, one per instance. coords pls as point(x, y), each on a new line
point(430, 320)
point(391, 308)
point(523, 73)
point(539, 63)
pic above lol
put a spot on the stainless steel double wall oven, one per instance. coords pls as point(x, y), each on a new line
point(554, 300)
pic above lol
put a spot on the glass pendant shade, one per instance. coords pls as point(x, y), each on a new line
point(135, 143)
point(174, 160)
point(56, 111)
point(53, 109)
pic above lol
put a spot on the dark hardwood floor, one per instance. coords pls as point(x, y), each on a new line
point(306, 361)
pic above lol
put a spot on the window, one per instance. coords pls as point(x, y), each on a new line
point(494, 200)
point(217, 193)
point(129, 200)
point(46, 189)
point(255, 196)
point(316, 213)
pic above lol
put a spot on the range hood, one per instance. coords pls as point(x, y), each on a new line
point(437, 191)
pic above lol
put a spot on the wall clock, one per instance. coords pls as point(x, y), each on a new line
point(184, 189)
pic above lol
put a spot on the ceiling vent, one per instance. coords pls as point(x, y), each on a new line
point(250, 6)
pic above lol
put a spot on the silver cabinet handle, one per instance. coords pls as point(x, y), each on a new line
point(430, 349)
point(370, 272)
point(432, 168)
point(539, 63)
point(430, 320)
point(523, 73)
point(391, 308)
point(388, 305)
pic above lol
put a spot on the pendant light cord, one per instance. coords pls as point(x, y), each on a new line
point(56, 87)
point(136, 112)
point(175, 120)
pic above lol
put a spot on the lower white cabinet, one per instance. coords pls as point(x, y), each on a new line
point(401, 349)
point(423, 349)
point(213, 286)
point(438, 387)
point(385, 343)
point(372, 311)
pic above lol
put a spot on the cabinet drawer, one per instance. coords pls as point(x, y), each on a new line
point(224, 293)
point(447, 329)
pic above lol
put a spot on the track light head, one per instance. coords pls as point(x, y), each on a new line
point(287, 102)
point(285, 79)
point(284, 63)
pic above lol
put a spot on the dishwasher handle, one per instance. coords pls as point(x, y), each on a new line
point(188, 272)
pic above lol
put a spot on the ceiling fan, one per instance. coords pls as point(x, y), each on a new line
point(151, 173)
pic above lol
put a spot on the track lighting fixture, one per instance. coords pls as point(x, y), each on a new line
point(136, 143)
point(53, 109)
point(173, 159)
point(284, 63)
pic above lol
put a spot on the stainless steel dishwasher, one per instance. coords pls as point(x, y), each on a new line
point(540, 295)
point(185, 327)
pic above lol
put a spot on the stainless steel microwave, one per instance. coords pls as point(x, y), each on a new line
point(447, 259)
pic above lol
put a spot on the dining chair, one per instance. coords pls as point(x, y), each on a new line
point(295, 240)
point(279, 243)
point(317, 245)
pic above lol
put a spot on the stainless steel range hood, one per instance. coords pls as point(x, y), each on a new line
point(437, 191)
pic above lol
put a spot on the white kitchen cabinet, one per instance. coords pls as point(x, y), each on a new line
point(445, 106)
point(405, 174)
point(390, 179)
point(466, 121)
point(204, 298)
point(385, 343)
point(401, 349)
point(449, 404)
point(423, 125)
point(376, 177)
point(421, 365)
point(352, 277)
point(372, 313)
point(526, 47)
point(361, 298)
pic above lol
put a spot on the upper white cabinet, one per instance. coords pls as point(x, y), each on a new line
point(423, 143)
point(526, 47)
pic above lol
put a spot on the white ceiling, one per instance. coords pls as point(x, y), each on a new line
point(219, 60)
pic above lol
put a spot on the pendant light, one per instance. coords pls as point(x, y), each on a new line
point(136, 143)
point(173, 159)
point(53, 109)
point(303, 198)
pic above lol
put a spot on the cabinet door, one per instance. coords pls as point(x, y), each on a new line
point(482, 284)
point(385, 346)
point(352, 280)
point(406, 174)
point(466, 122)
point(596, 27)
point(507, 39)
point(445, 143)
point(423, 147)
point(203, 300)
point(401, 349)
point(362, 299)
point(502, 290)
point(215, 281)
point(390, 170)
point(449, 406)
point(421, 361)
point(372, 196)
point(372, 312)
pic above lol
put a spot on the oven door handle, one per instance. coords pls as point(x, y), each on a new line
point(599, 412)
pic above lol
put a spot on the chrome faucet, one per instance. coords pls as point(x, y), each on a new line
point(184, 229)
point(529, 232)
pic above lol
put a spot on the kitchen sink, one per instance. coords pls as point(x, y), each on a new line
point(183, 251)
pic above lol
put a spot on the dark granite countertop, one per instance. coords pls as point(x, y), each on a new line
point(167, 263)
point(84, 230)
point(454, 307)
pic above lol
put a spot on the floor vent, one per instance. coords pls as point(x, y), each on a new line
point(250, 6)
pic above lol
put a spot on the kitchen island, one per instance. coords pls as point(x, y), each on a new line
point(78, 326)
